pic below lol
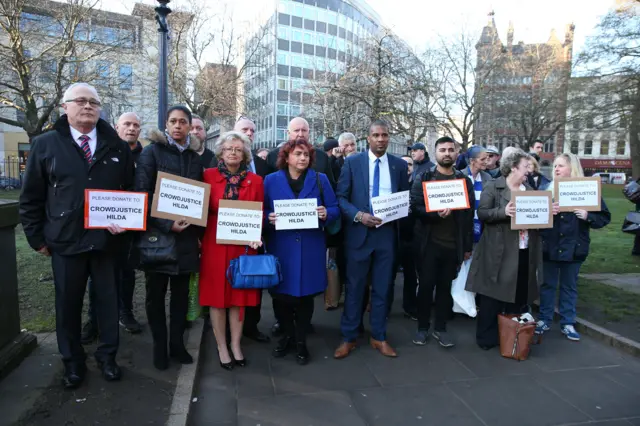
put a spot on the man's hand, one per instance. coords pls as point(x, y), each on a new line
point(179, 226)
point(338, 152)
point(115, 229)
point(45, 250)
point(370, 220)
point(467, 255)
point(444, 213)
point(272, 218)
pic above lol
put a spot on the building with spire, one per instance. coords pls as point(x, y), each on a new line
point(521, 89)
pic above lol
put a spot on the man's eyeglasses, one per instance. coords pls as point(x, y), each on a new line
point(83, 102)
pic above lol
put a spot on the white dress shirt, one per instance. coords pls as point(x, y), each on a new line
point(252, 166)
point(385, 175)
point(93, 138)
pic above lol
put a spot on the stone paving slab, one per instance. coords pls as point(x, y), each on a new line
point(628, 282)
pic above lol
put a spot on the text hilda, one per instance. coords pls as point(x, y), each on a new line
point(578, 193)
point(180, 198)
point(296, 214)
point(440, 195)
point(239, 224)
point(533, 208)
point(391, 207)
point(126, 209)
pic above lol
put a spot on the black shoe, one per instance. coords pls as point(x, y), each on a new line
point(302, 358)
point(258, 336)
point(411, 315)
point(129, 323)
point(311, 329)
point(110, 370)
point(160, 357)
point(284, 345)
point(276, 330)
point(444, 339)
point(227, 366)
point(73, 375)
point(89, 333)
point(181, 355)
point(240, 362)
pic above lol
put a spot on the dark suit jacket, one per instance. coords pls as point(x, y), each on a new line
point(321, 165)
point(353, 193)
point(262, 167)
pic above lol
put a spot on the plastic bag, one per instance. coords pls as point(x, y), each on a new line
point(464, 302)
point(195, 310)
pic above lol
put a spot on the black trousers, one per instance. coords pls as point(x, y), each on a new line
point(294, 315)
point(126, 282)
point(156, 286)
point(70, 274)
point(487, 321)
point(438, 269)
point(252, 317)
point(406, 259)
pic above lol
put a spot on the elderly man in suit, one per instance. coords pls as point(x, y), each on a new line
point(370, 248)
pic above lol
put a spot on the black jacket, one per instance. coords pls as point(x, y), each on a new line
point(420, 167)
point(568, 240)
point(262, 167)
point(425, 220)
point(156, 157)
point(207, 159)
point(57, 174)
point(322, 164)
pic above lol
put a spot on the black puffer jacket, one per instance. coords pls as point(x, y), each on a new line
point(160, 156)
point(52, 198)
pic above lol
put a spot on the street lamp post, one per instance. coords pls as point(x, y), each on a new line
point(162, 12)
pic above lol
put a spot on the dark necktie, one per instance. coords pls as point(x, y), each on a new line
point(84, 139)
point(376, 179)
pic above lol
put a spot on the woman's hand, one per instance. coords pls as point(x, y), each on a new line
point(254, 245)
point(582, 214)
point(322, 212)
point(556, 208)
point(510, 209)
point(179, 226)
point(272, 218)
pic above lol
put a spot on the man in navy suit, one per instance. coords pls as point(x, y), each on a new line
point(369, 248)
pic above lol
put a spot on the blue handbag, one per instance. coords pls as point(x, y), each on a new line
point(249, 272)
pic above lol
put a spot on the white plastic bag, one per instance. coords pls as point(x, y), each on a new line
point(464, 302)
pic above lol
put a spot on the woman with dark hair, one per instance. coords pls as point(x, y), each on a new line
point(229, 180)
point(302, 252)
point(173, 151)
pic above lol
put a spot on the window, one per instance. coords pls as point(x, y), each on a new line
point(284, 19)
point(576, 124)
point(333, 30)
point(623, 122)
point(620, 148)
point(105, 112)
point(310, 13)
point(126, 77)
point(309, 25)
point(341, 44)
point(298, 10)
point(296, 47)
point(588, 148)
point(321, 40)
point(295, 110)
point(308, 61)
point(321, 27)
point(308, 49)
point(281, 134)
point(342, 33)
point(320, 64)
point(308, 38)
point(283, 44)
point(589, 122)
point(574, 147)
point(283, 70)
point(332, 42)
point(76, 69)
point(321, 51)
point(283, 32)
point(102, 72)
point(296, 35)
point(297, 61)
point(282, 84)
point(282, 59)
point(604, 147)
point(296, 22)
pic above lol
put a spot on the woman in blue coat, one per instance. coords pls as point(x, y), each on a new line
point(302, 252)
point(564, 248)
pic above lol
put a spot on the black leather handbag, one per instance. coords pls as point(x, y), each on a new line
point(632, 191)
point(156, 248)
point(631, 224)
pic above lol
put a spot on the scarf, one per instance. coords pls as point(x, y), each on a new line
point(296, 184)
point(171, 141)
point(477, 188)
point(232, 190)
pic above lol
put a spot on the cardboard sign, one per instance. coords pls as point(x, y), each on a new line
point(391, 207)
point(445, 194)
point(581, 193)
point(104, 208)
point(296, 214)
point(534, 210)
point(178, 198)
point(239, 222)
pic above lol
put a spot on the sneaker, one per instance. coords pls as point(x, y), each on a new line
point(420, 338)
point(89, 333)
point(411, 316)
point(571, 333)
point(444, 339)
point(130, 324)
point(542, 327)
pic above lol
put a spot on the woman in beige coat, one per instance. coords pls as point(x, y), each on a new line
point(506, 270)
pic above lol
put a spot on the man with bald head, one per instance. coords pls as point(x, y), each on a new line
point(258, 164)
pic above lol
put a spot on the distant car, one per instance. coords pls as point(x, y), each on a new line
point(8, 183)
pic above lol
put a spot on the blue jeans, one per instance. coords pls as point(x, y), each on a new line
point(567, 274)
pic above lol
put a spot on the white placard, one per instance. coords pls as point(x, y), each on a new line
point(391, 207)
point(296, 214)
point(531, 211)
point(243, 225)
point(578, 194)
point(179, 198)
point(126, 209)
point(445, 194)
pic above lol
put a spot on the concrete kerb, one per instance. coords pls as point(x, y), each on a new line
point(609, 337)
point(181, 403)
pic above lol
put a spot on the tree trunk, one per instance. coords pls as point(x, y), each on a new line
point(634, 140)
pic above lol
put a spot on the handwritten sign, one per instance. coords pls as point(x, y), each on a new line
point(445, 194)
point(534, 210)
point(391, 207)
point(296, 214)
point(178, 198)
point(239, 222)
point(104, 208)
point(578, 193)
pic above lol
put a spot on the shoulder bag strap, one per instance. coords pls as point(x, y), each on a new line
point(320, 188)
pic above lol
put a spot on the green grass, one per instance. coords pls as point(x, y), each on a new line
point(610, 250)
point(614, 304)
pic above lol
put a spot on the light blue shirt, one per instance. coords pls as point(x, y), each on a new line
point(252, 166)
point(385, 175)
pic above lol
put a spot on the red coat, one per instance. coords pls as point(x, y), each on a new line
point(215, 290)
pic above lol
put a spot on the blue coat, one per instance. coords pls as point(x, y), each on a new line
point(302, 252)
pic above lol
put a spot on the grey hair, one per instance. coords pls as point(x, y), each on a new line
point(511, 159)
point(233, 136)
point(346, 136)
point(130, 112)
point(67, 93)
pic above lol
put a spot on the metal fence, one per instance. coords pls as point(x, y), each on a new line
point(13, 169)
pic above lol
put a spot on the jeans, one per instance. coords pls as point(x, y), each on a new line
point(567, 274)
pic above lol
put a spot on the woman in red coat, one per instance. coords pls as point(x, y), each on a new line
point(231, 180)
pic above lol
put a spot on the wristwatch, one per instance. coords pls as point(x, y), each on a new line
point(358, 217)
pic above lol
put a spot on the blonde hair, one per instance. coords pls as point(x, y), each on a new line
point(230, 137)
point(574, 163)
point(536, 166)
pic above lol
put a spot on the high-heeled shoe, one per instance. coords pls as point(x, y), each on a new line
point(240, 362)
point(227, 366)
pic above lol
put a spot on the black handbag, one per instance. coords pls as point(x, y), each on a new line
point(156, 248)
point(632, 191)
point(631, 224)
point(331, 228)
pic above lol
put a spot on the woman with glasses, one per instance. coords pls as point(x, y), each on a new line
point(229, 180)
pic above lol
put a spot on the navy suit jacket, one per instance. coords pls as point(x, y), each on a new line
point(353, 193)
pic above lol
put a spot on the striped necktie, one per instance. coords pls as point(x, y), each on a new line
point(84, 139)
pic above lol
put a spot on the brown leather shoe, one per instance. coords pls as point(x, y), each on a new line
point(383, 347)
point(344, 350)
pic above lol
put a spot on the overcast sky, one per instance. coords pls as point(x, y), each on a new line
point(419, 22)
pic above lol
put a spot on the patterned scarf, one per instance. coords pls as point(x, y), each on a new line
point(232, 190)
point(171, 141)
point(477, 188)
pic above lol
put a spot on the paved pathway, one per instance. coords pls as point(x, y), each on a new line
point(629, 282)
point(562, 383)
